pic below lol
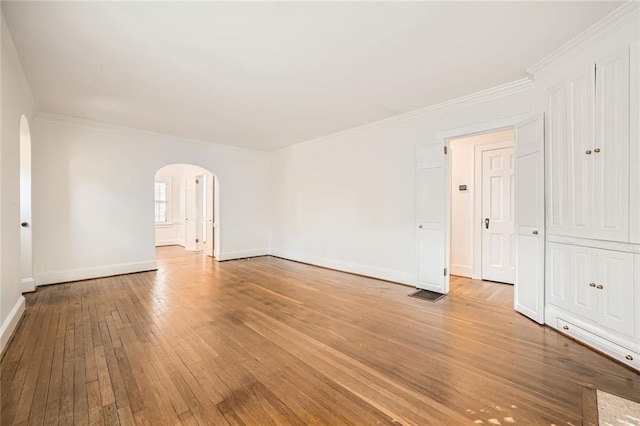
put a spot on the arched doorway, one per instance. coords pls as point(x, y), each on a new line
point(26, 261)
point(187, 209)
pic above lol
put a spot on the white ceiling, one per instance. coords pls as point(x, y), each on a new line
point(268, 75)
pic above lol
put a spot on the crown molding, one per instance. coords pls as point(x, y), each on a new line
point(594, 33)
point(496, 92)
point(124, 130)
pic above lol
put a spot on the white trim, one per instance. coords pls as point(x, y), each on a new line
point(168, 190)
point(443, 139)
point(95, 272)
point(496, 92)
point(174, 242)
point(610, 343)
point(462, 270)
point(354, 268)
point(123, 130)
point(594, 33)
point(27, 285)
point(11, 323)
point(460, 102)
point(242, 254)
point(601, 244)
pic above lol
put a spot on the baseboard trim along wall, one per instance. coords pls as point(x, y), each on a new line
point(11, 323)
point(353, 268)
point(162, 243)
point(462, 270)
point(242, 254)
point(28, 285)
point(95, 272)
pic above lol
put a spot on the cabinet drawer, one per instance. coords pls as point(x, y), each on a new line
point(622, 354)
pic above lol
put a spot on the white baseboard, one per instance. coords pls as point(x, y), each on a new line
point(162, 243)
point(354, 268)
point(95, 272)
point(11, 323)
point(242, 254)
point(27, 285)
point(462, 270)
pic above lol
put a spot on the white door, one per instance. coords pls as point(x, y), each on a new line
point(498, 216)
point(558, 277)
point(208, 217)
point(582, 273)
point(25, 207)
point(614, 288)
point(578, 170)
point(556, 139)
point(431, 214)
point(191, 232)
point(199, 199)
point(529, 219)
point(611, 148)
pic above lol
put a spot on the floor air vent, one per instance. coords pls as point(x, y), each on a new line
point(427, 295)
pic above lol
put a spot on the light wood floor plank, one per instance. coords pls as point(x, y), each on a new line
point(269, 341)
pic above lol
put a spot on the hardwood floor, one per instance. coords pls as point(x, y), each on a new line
point(268, 341)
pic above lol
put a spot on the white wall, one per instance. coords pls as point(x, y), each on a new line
point(348, 201)
point(174, 232)
point(464, 244)
point(16, 101)
point(93, 196)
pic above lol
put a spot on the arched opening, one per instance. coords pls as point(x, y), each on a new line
point(26, 261)
point(187, 209)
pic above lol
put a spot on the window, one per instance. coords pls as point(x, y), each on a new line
point(162, 202)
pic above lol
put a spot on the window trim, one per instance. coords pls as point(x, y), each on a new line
point(168, 203)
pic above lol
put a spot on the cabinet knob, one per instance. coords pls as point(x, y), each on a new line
point(566, 327)
point(599, 286)
point(592, 284)
point(596, 150)
point(420, 226)
point(534, 232)
point(588, 152)
point(629, 357)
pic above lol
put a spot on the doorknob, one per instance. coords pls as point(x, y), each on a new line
point(486, 223)
point(25, 224)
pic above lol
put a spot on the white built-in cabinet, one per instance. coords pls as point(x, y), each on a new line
point(592, 265)
point(587, 158)
point(595, 284)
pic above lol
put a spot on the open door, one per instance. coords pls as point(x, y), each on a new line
point(208, 217)
point(199, 212)
point(431, 217)
point(191, 232)
point(530, 226)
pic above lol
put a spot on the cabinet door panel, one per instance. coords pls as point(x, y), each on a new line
point(611, 163)
point(584, 295)
point(580, 92)
point(556, 159)
point(558, 280)
point(616, 299)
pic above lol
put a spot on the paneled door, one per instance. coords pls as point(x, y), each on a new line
point(190, 220)
point(615, 288)
point(431, 216)
point(611, 148)
point(498, 263)
point(529, 219)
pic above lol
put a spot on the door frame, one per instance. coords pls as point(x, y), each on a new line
point(444, 139)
